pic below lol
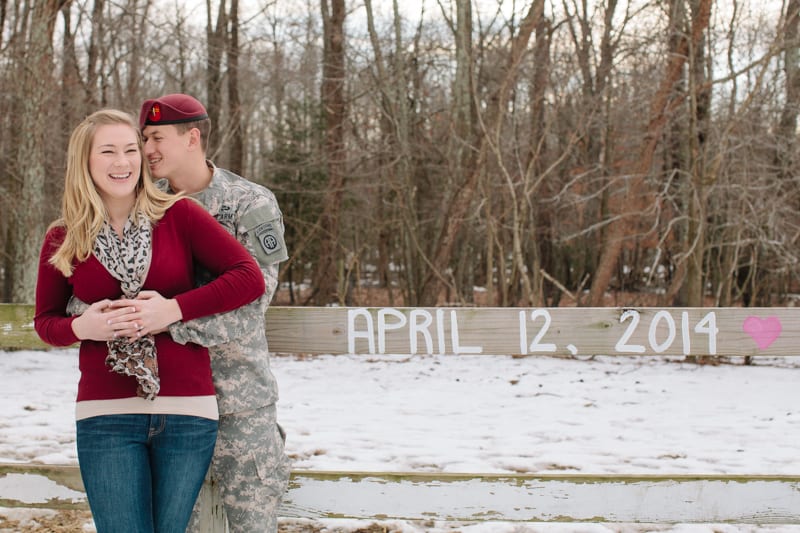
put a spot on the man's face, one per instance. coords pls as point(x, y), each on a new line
point(166, 150)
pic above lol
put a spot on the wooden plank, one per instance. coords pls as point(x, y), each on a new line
point(557, 498)
point(481, 497)
point(509, 331)
point(16, 328)
point(544, 331)
point(46, 486)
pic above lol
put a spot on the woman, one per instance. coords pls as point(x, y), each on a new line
point(146, 410)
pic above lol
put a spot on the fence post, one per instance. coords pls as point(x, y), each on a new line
point(209, 505)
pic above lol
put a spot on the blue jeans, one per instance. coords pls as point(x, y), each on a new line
point(142, 473)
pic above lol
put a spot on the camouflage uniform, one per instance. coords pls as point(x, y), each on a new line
point(249, 463)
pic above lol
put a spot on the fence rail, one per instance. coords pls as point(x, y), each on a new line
point(753, 331)
point(758, 499)
point(479, 497)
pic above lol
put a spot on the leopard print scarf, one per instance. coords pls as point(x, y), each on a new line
point(128, 259)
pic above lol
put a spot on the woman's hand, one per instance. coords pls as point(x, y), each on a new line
point(149, 313)
point(102, 322)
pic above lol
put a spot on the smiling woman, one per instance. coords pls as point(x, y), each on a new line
point(146, 421)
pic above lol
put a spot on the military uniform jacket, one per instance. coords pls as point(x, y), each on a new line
point(237, 340)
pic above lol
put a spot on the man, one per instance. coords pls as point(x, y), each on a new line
point(249, 464)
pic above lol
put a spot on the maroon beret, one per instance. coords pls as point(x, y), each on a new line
point(171, 109)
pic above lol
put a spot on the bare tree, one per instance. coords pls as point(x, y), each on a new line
point(463, 153)
point(215, 43)
point(787, 126)
point(94, 64)
point(464, 190)
point(396, 160)
point(686, 161)
point(625, 224)
point(235, 119)
point(334, 111)
point(37, 92)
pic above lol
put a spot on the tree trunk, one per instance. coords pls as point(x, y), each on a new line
point(215, 36)
point(396, 162)
point(3, 11)
point(701, 170)
point(625, 223)
point(94, 79)
point(458, 207)
point(37, 96)
point(139, 15)
point(236, 142)
point(678, 167)
point(72, 93)
point(333, 104)
point(787, 129)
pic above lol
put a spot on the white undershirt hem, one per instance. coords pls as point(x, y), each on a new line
point(201, 406)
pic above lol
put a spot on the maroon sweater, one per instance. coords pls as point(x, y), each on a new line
point(186, 235)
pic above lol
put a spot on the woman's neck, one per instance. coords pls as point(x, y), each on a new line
point(118, 215)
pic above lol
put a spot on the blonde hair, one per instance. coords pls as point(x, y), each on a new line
point(82, 209)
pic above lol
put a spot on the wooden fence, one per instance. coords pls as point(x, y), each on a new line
point(757, 498)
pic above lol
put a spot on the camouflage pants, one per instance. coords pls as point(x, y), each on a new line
point(251, 470)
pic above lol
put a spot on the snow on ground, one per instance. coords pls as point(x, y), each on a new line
point(491, 414)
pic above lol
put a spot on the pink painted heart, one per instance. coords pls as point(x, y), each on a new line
point(763, 330)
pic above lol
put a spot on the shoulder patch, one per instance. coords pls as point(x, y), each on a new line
point(253, 216)
point(268, 237)
point(262, 224)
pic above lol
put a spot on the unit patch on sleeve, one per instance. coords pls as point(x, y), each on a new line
point(268, 237)
point(264, 229)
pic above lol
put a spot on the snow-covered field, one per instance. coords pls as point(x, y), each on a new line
point(493, 414)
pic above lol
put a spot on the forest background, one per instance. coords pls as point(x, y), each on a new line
point(545, 152)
